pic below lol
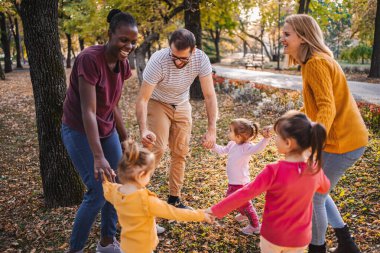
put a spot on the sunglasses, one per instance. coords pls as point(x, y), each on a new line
point(181, 59)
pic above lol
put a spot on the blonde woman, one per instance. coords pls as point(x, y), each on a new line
point(327, 100)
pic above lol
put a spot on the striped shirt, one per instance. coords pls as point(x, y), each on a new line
point(172, 85)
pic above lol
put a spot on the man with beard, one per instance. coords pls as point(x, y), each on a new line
point(163, 109)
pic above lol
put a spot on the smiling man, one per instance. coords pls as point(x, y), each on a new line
point(163, 110)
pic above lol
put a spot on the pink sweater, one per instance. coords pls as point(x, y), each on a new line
point(238, 159)
point(288, 208)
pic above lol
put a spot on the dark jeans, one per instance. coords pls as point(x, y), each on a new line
point(80, 153)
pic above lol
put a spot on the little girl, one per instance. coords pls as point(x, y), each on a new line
point(289, 184)
point(136, 206)
point(239, 151)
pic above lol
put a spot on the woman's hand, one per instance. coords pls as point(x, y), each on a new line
point(102, 167)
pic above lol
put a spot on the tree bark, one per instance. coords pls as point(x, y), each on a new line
point(193, 24)
point(61, 184)
point(216, 39)
point(245, 48)
point(81, 43)
point(303, 6)
point(16, 36)
point(6, 44)
point(2, 75)
point(68, 58)
point(132, 60)
point(375, 61)
point(18, 45)
point(141, 52)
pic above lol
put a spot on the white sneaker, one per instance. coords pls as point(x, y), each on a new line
point(241, 218)
point(111, 248)
point(249, 230)
point(160, 229)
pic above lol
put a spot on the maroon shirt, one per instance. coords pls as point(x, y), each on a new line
point(91, 65)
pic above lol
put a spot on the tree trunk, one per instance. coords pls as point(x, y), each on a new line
point(193, 24)
point(61, 184)
point(18, 45)
point(141, 52)
point(2, 76)
point(245, 48)
point(132, 60)
point(216, 43)
point(303, 6)
point(16, 36)
point(81, 43)
point(375, 61)
point(68, 58)
point(6, 44)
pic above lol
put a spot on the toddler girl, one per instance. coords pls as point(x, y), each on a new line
point(289, 184)
point(239, 151)
point(136, 206)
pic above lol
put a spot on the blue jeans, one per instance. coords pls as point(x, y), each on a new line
point(325, 210)
point(80, 153)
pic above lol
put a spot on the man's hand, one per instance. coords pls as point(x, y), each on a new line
point(209, 139)
point(102, 167)
point(148, 138)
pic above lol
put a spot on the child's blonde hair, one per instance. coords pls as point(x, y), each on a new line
point(245, 129)
point(307, 29)
point(135, 159)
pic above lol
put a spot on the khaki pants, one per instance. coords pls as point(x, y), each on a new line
point(171, 125)
point(268, 247)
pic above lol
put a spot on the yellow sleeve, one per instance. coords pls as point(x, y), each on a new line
point(108, 189)
point(159, 208)
point(318, 77)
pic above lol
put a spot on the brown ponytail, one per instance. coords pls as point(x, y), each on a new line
point(245, 129)
point(318, 138)
point(135, 159)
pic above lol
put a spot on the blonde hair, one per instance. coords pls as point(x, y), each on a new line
point(307, 29)
point(245, 129)
point(135, 160)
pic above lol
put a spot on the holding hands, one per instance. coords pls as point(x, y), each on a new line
point(267, 131)
point(148, 138)
point(209, 139)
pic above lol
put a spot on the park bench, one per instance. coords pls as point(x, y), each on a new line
point(254, 65)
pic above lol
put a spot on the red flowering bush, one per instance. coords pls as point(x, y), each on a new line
point(371, 115)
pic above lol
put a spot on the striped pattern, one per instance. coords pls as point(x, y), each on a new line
point(173, 84)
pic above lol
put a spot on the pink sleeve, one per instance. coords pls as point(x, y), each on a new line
point(222, 149)
point(261, 184)
point(256, 148)
point(88, 69)
point(324, 183)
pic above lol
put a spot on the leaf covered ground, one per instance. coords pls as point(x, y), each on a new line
point(27, 226)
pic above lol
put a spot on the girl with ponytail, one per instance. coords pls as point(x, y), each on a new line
point(289, 184)
point(136, 206)
point(239, 151)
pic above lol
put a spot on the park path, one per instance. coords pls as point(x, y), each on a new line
point(369, 92)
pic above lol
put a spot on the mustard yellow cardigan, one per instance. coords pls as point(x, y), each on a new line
point(327, 100)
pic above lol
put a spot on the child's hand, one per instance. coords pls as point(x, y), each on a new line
point(209, 218)
point(267, 131)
